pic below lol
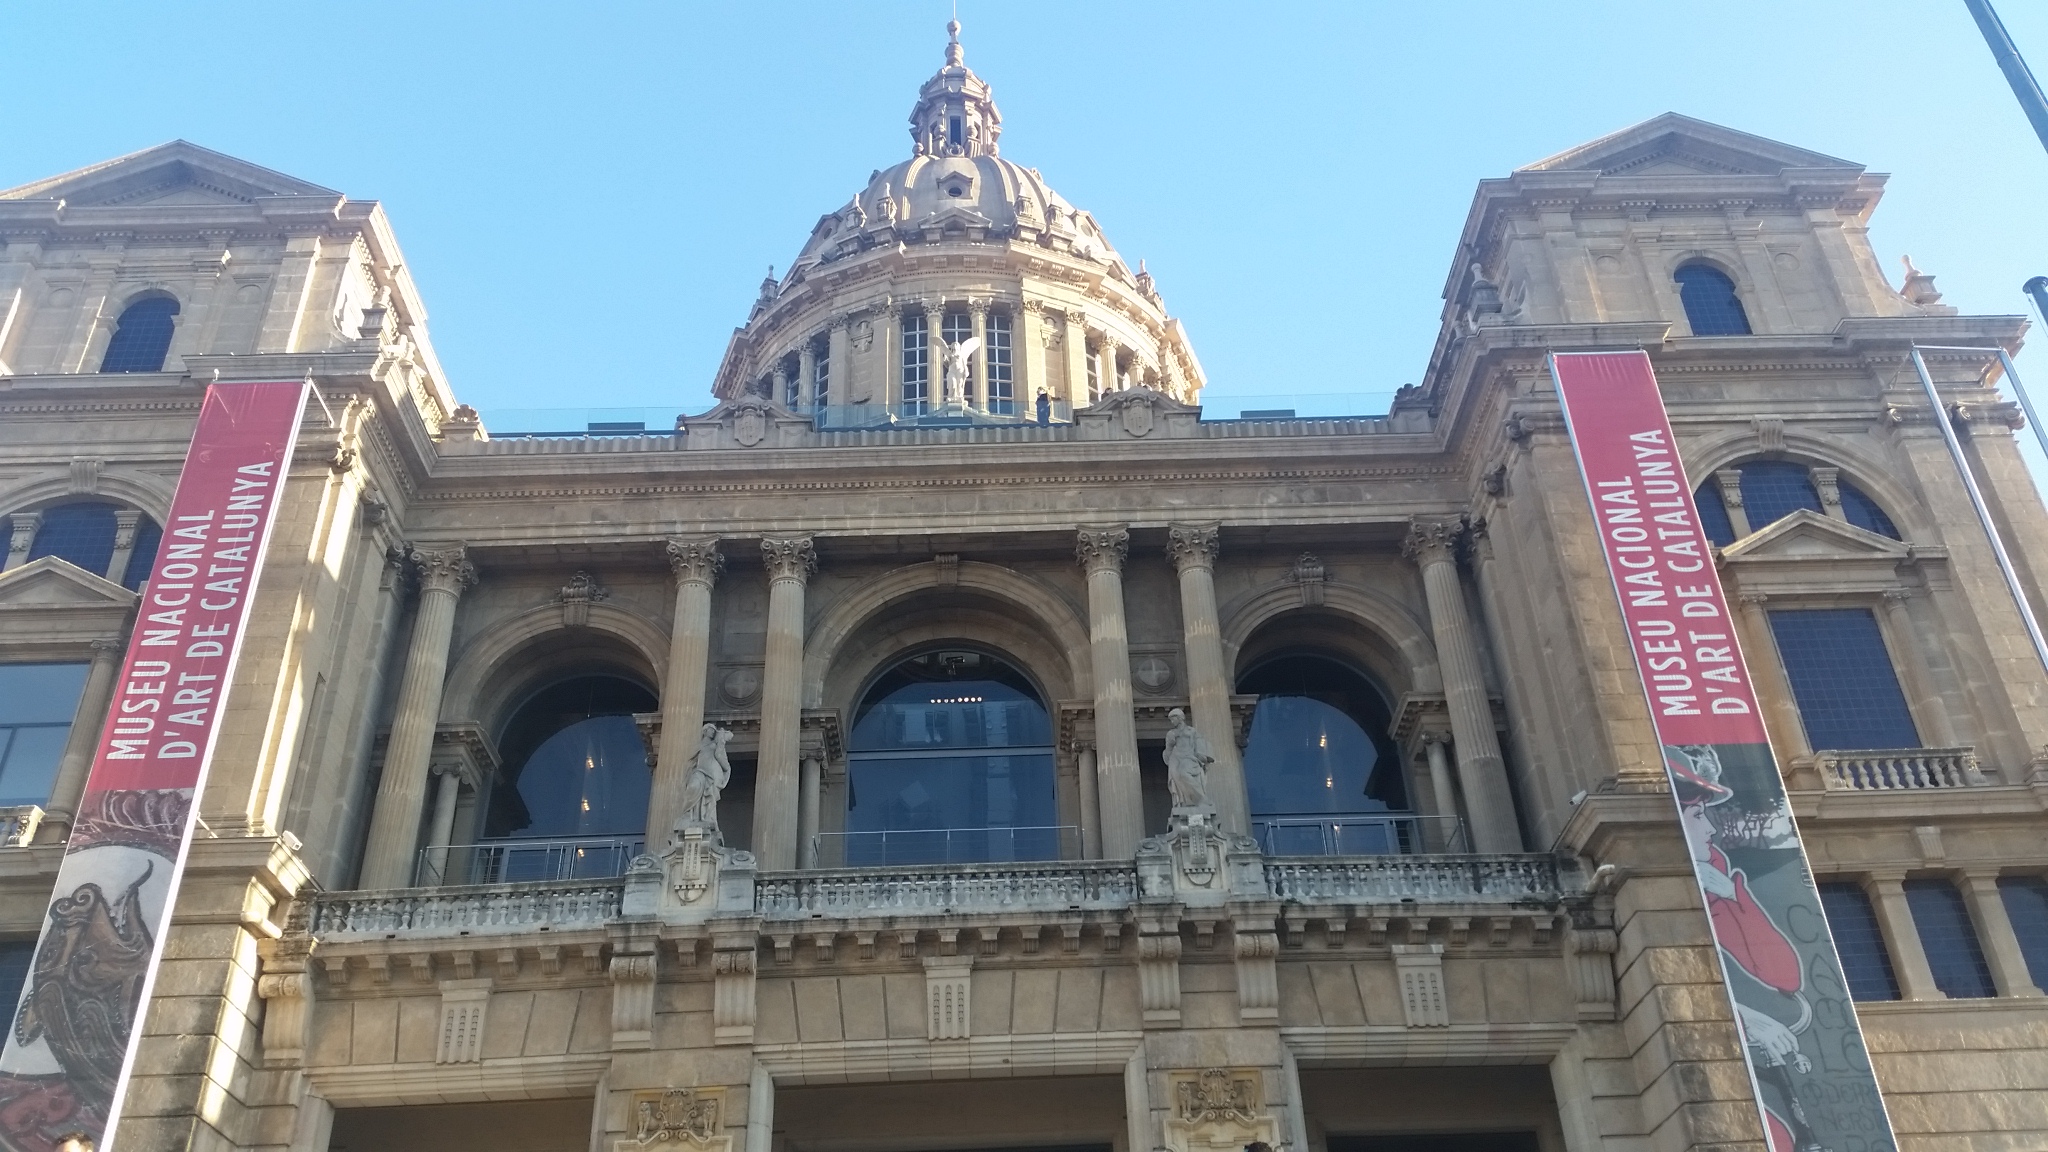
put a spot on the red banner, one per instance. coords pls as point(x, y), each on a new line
point(1808, 1067)
point(72, 1045)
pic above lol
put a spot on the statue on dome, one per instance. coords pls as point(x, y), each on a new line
point(956, 357)
point(886, 204)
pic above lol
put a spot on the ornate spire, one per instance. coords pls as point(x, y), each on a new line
point(955, 113)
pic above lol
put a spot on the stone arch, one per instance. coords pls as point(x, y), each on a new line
point(981, 604)
point(1377, 632)
point(1859, 465)
point(515, 657)
point(137, 489)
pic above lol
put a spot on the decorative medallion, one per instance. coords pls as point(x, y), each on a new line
point(741, 686)
point(750, 426)
point(676, 1115)
point(1137, 415)
point(1153, 673)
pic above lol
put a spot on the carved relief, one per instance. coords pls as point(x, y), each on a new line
point(789, 558)
point(695, 559)
point(444, 570)
point(1191, 546)
point(948, 985)
point(1219, 1108)
point(460, 1039)
point(679, 1116)
point(1421, 969)
point(1432, 541)
point(1098, 548)
point(577, 596)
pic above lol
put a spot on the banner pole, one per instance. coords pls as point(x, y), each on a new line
point(1955, 450)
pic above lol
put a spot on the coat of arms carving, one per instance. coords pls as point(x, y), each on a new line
point(750, 426)
point(676, 1115)
point(1137, 417)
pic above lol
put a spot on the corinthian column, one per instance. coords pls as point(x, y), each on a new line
point(1101, 552)
point(1481, 771)
point(696, 562)
point(790, 561)
point(978, 310)
point(395, 823)
point(1193, 550)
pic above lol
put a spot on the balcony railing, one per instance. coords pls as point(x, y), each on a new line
point(473, 910)
point(1309, 834)
point(1053, 886)
point(945, 846)
point(527, 861)
point(1392, 879)
point(1897, 769)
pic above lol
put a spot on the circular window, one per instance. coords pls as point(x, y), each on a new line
point(956, 190)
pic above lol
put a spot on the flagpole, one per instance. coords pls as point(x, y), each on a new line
point(2003, 50)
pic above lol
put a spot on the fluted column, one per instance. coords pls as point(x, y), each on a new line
point(779, 391)
point(1091, 804)
point(1075, 343)
point(395, 822)
point(935, 356)
point(977, 310)
point(1101, 552)
point(1192, 548)
point(807, 377)
point(1481, 771)
point(86, 723)
point(808, 803)
point(839, 355)
point(1033, 334)
point(1433, 744)
point(22, 539)
point(790, 561)
point(696, 562)
point(441, 831)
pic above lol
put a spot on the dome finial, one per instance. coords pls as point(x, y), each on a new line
point(954, 53)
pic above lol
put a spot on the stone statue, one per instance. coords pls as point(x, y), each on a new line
point(1188, 757)
point(886, 204)
point(710, 771)
point(956, 358)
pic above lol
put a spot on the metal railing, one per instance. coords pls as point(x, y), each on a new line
point(837, 417)
point(1895, 769)
point(1309, 834)
point(527, 861)
point(944, 846)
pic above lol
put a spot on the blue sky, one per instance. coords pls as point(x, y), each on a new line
point(588, 195)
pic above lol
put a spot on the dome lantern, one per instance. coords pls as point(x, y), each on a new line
point(955, 114)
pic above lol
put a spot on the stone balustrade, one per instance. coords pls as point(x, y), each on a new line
point(1423, 879)
point(1897, 769)
point(986, 888)
point(475, 910)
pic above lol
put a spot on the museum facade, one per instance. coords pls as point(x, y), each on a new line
point(958, 739)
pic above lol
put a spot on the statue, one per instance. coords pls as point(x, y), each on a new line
point(1188, 757)
point(886, 204)
point(710, 771)
point(956, 357)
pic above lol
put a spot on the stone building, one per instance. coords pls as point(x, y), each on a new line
point(468, 876)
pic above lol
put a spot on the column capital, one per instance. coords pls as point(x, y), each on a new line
point(1730, 480)
point(839, 323)
point(1897, 597)
point(695, 559)
point(443, 570)
point(1192, 545)
point(935, 310)
point(1757, 598)
point(1478, 541)
point(1432, 541)
point(977, 306)
point(1098, 549)
point(108, 648)
point(789, 558)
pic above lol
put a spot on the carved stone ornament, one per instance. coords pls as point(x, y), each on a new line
point(695, 558)
point(1137, 417)
point(443, 570)
point(749, 425)
point(1098, 548)
point(1432, 541)
point(789, 558)
point(679, 1115)
point(577, 596)
point(1192, 546)
point(1219, 1108)
point(1153, 674)
point(1308, 575)
point(741, 686)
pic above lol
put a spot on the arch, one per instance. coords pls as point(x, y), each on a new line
point(516, 656)
point(1390, 642)
point(149, 493)
point(1066, 641)
point(1866, 470)
point(142, 335)
point(1708, 293)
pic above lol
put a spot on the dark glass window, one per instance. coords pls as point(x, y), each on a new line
point(37, 704)
point(950, 760)
point(2026, 905)
point(1002, 386)
point(917, 365)
point(821, 359)
point(1711, 306)
point(1094, 360)
point(15, 958)
point(1858, 940)
point(1775, 489)
point(1949, 939)
point(1864, 513)
point(142, 336)
point(1842, 679)
point(1714, 513)
point(792, 380)
point(579, 768)
point(80, 533)
point(1321, 773)
point(149, 536)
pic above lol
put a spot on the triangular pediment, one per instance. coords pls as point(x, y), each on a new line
point(1808, 535)
point(1675, 145)
point(177, 173)
point(52, 582)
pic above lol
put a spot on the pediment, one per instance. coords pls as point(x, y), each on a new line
point(177, 173)
point(1675, 145)
point(52, 582)
point(748, 421)
point(1807, 535)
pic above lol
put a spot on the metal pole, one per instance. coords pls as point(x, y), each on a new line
point(2019, 392)
point(1955, 449)
point(2007, 54)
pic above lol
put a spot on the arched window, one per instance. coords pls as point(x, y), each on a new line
point(142, 336)
point(917, 365)
point(1711, 306)
point(950, 760)
point(94, 536)
point(1322, 775)
point(576, 804)
point(1770, 490)
point(1002, 376)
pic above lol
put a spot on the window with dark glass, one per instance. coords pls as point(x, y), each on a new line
point(1714, 519)
point(577, 780)
point(16, 956)
point(2026, 905)
point(1852, 921)
point(1842, 679)
point(37, 705)
point(1949, 939)
point(1094, 361)
point(1321, 774)
point(792, 380)
point(1711, 306)
point(1863, 512)
point(81, 533)
point(950, 759)
point(1771, 490)
point(149, 536)
point(821, 360)
point(1002, 387)
point(142, 336)
point(917, 365)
